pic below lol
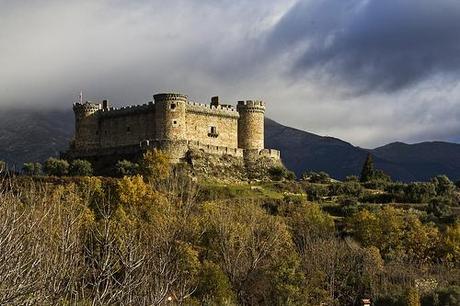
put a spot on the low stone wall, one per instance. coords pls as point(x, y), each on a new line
point(275, 154)
point(217, 150)
point(255, 154)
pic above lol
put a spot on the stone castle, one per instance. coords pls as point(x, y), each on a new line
point(173, 124)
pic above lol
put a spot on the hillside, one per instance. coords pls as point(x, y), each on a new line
point(33, 135)
point(420, 161)
point(302, 150)
point(406, 162)
point(27, 135)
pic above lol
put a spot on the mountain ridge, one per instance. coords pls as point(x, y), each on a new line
point(34, 135)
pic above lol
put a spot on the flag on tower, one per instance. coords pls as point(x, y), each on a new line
point(81, 96)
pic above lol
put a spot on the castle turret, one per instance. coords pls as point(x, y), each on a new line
point(86, 125)
point(170, 109)
point(251, 125)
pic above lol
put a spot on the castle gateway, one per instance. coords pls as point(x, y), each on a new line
point(171, 123)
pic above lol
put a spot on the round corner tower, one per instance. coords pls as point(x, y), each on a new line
point(251, 125)
point(170, 109)
point(86, 125)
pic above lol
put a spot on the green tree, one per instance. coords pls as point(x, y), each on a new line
point(316, 177)
point(32, 168)
point(370, 174)
point(277, 173)
point(247, 243)
point(56, 167)
point(79, 167)
point(443, 185)
point(440, 207)
point(367, 171)
point(397, 233)
point(290, 175)
point(419, 192)
point(214, 287)
point(349, 205)
point(125, 167)
point(449, 296)
point(156, 165)
point(380, 176)
point(308, 221)
point(451, 242)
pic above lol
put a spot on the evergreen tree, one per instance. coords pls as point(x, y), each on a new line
point(368, 169)
point(80, 167)
point(125, 167)
point(32, 168)
point(56, 167)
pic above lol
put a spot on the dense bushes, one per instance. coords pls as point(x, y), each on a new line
point(56, 167)
point(155, 236)
point(279, 173)
point(80, 167)
point(146, 239)
point(60, 167)
point(125, 167)
point(32, 169)
point(316, 177)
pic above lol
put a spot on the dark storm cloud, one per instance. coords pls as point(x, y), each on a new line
point(300, 56)
point(372, 45)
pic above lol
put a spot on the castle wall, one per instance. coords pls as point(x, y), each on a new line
point(199, 129)
point(126, 129)
point(216, 150)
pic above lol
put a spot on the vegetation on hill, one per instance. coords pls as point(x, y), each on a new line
point(156, 236)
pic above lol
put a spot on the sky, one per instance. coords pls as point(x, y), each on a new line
point(369, 72)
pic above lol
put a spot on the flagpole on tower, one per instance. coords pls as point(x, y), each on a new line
point(81, 96)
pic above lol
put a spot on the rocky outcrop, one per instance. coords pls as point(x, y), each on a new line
point(228, 168)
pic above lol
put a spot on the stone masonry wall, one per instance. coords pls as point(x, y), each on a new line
point(199, 129)
point(128, 129)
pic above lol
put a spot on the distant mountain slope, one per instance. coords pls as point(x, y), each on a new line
point(33, 135)
point(302, 151)
point(27, 135)
point(416, 162)
point(420, 161)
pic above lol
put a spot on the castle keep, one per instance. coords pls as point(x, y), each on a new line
point(171, 123)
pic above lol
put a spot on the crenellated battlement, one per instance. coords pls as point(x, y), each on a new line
point(86, 108)
point(170, 96)
point(251, 106)
point(213, 110)
point(127, 110)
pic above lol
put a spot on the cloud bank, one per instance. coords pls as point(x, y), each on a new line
point(367, 71)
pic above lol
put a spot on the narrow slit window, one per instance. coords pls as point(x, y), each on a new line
point(212, 131)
